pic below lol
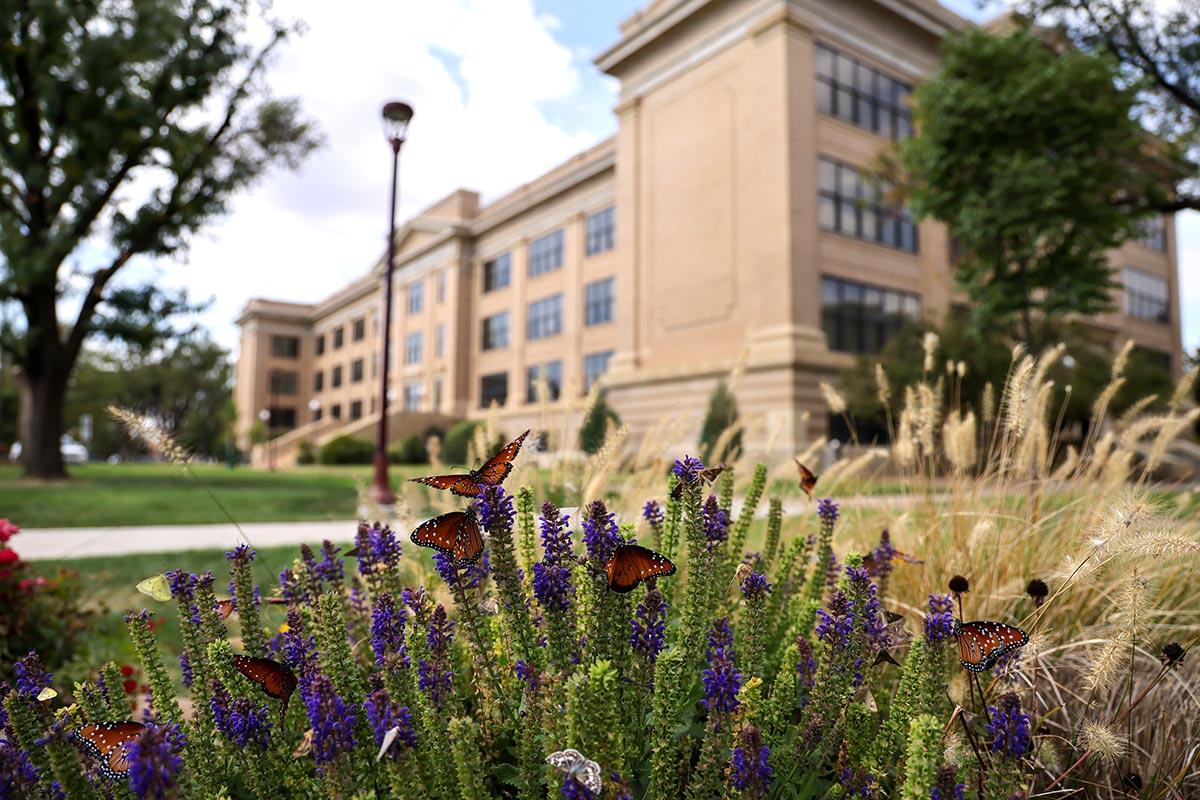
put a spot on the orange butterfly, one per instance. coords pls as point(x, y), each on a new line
point(980, 644)
point(872, 568)
point(708, 475)
point(807, 479)
point(108, 743)
point(456, 534)
point(492, 473)
point(632, 564)
point(276, 679)
point(225, 606)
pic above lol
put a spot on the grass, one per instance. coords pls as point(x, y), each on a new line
point(105, 495)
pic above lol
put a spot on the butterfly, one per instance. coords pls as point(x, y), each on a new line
point(571, 762)
point(708, 475)
point(632, 564)
point(108, 743)
point(872, 568)
point(225, 607)
point(980, 644)
point(807, 479)
point(456, 534)
point(156, 587)
point(492, 473)
point(275, 678)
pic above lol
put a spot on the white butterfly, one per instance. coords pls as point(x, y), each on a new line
point(584, 770)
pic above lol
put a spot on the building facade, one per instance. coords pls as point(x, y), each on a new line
point(729, 221)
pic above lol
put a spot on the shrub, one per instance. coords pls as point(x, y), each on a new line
point(595, 425)
point(722, 415)
point(411, 450)
point(458, 441)
point(347, 450)
point(306, 453)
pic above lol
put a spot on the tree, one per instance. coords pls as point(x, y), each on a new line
point(1158, 49)
point(1032, 159)
point(594, 429)
point(126, 128)
point(722, 415)
point(184, 386)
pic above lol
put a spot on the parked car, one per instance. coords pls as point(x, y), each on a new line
point(72, 451)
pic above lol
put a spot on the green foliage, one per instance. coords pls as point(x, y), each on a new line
point(458, 442)
point(306, 453)
point(194, 121)
point(46, 614)
point(722, 415)
point(347, 450)
point(1029, 156)
point(410, 450)
point(595, 425)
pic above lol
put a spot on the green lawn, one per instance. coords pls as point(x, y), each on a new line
point(101, 495)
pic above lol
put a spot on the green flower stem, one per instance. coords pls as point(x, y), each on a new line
point(774, 527)
point(93, 702)
point(528, 529)
point(513, 609)
point(699, 567)
point(117, 702)
point(253, 636)
point(666, 702)
point(162, 690)
point(924, 753)
point(464, 739)
point(737, 537)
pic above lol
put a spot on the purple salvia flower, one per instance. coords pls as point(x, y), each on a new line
point(185, 667)
point(855, 782)
point(837, 624)
point(600, 534)
point(240, 721)
point(330, 570)
point(384, 715)
point(435, 677)
point(755, 587)
point(716, 522)
point(649, 625)
point(827, 510)
point(332, 721)
point(155, 761)
point(946, 785)
point(551, 576)
point(722, 680)
point(378, 550)
point(477, 572)
point(32, 677)
point(183, 584)
point(750, 773)
point(654, 514)
point(806, 665)
point(939, 622)
point(1008, 727)
point(387, 632)
point(446, 569)
point(528, 673)
point(300, 652)
point(687, 469)
point(884, 555)
point(495, 508)
point(18, 775)
point(873, 627)
point(240, 553)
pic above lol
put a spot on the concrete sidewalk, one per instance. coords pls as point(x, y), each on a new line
point(35, 544)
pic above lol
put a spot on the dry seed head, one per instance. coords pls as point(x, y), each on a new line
point(1016, 396)
point(836, 403)
point(1067, 467)
point(1046, 361)
point(1122, 359)
point(959, 438)
point(1117, 469)
point(904, 449)
point(1100, 407)
point(930, 411)
point(987, 405)
point(150, 433)
point(1106, 665)
point(1018, 351)
point(1168, 433)
point(929, 343)
point(1183, 390)
point(961, 369)
point(950, 367)
point(1103, 740)
point(1135, 410)
point(882, 385)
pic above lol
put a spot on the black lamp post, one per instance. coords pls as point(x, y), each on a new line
point(396, 117)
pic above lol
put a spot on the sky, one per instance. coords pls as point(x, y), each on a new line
point(502, 91)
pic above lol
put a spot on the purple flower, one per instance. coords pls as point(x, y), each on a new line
point(528, 673)
point(384, 715)
point(387, 632)
point(649, 625)
point(329, 570)
point(946, 785)
point(806, 664)
point(185, 667)
point(551, 576)
point(836, 624)
point(654, 514)
point(939, 622)
point(300, 652)
point(873, 627)
point(435, 677)
point(755, 587)
point(716, 522)
point(495, 508)
point(827, 510)
point(241, 722)
point(1009, 727)
point(600, 534)
point(688, 469)
point(751, 774)
point(855, 782)
point(332, 721)
point(240, 553)
point(574, 790)
point(18, 776)
point(883, 556)
point(722, 680)
point(32, 677)
point(155, 760)
point(378, 550)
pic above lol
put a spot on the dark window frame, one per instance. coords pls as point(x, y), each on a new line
point(285, 346)
point(336, 379)
point(553, 382)
point(861, 318)
point(546, 253)
point(415, 297)
point(544, 318)
point(493, 386)
point(359, 329)
point(851, 204)
point(590, 376)
point(1141, 302)
point(497, 272)
point(495, 336)
point(600, 301)
point(358, 370)
point(601, 231)
point(861, 95)
point(414, 346)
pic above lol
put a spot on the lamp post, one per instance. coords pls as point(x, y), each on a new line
point(396, 117)
point(314, 406)
point(265, 416)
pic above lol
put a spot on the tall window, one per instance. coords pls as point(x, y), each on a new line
point(412, 348)
point(416, 298)
point(546, 253)
point(360, 329)
point(338, 339)
point(285, 346)
point(495, 331)
point(598, 301)
point(497, 273)
point(414, 391)
point(336, 380)
point(336, 411)
point(861, 95)
point(602, 231)
point(284, 382)
point(320, 349)
point(595, 365)
point(439, 341)
point(856, 206)
point(318, 382)
point(356, 409)
point(282, 418)
point(551, 373)
point(858, 318)
point(356, 371)
point(493, 388)
point(545, 317)
point(1154, 234)
point(1146, 296)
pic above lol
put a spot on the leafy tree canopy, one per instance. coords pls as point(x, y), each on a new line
point(126, 128)
point(1032, 158)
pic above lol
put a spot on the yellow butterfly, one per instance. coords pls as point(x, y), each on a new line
point(156, 587)
point(46, 694)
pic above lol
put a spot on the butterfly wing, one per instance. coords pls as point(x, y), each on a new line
point(276, 679)
point(156, 586)
point(588, 774)
point(807, 479)
point(982, 643)
point(712, 473)
point(496, 468)
point(440, 533)
point(677, 490)
point(461, 485)
point(108, 743)
point(468, 541)
point(632, 564)
point(224, 608)
point(906, 558)
point(565, 760)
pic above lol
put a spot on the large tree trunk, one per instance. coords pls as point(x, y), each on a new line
point(41, 425)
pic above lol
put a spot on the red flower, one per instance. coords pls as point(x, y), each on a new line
point(5, 574)
point(8, 556)
point(7, 530)
point(126, 670)
point(130, 686)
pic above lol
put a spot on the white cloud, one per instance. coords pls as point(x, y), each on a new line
point(300, 236)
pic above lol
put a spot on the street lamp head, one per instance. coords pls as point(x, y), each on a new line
point(396, 116)
point(314, 404)
point(264, 414)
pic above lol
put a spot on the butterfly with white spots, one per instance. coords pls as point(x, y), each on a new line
point(572, 763)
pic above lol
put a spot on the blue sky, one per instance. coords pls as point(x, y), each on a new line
point(503, 90)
